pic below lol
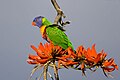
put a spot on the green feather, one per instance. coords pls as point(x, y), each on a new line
point(58, 37)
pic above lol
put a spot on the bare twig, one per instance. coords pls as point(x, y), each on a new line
point(46, 70)
point(60, 14)
point(34, 70)
point(50, 76)
point(55, 71)
point(56, 6)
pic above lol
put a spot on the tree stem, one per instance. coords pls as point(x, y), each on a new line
point(46, 70)
point(55, 71)
point(56, 6)
point(60, 13)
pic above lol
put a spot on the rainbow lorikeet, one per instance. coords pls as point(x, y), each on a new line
point(52, 33)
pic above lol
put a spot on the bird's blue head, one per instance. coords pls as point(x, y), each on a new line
point(38, 21)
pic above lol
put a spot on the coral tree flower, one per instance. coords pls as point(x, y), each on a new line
point(81, 59)
point(49, 52)
point(109, 65)
point(89, 58)
point(94, 57)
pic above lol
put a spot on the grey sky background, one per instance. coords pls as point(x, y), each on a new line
point(92, 21)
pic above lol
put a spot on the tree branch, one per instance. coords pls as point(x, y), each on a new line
point(56, 6)
point(60, 14)
point(55, 71)
point(46, 70)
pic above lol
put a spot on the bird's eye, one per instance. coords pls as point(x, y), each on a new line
point(35, 20)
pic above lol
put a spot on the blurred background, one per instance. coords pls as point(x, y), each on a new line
point(92, 21)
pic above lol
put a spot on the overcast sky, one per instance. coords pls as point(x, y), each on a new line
point(92, 21)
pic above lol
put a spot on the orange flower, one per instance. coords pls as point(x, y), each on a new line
point(109, 65)
point(32, 59)
point(66, 63)
point(80, 51)
point(49, 52)
point(93, 56)
point(81, 59)
point(44, 53)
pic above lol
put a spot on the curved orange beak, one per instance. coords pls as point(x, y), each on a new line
point(33, 24)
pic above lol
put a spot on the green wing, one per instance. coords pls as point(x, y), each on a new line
point(58, 37)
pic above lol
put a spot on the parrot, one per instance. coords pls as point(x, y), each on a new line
point(52, 33)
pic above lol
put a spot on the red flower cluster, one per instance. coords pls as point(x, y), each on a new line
point(81, 59)
point(89, 58)
point(49, 52)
